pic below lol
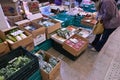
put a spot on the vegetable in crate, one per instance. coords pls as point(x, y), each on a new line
point(53, 61)
point(18, 38)
point(1, 41)
point(63, 33)
point(23, 36)
point(46, 23)
point(13, 66)
point(11, 38)
point(75, 43)
point(41, 55)
point(31, 28)
point(2, 77)
point(9, 41)
point(15, 35)
point(45, 66)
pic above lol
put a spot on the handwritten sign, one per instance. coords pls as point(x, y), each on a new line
point(33, 6)
point(9, 9)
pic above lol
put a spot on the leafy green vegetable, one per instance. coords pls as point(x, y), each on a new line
point(2, 78)
point(13, 66)
point(1, 41)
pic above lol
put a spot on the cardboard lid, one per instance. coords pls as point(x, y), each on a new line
point(34, 16)
point(22, 22)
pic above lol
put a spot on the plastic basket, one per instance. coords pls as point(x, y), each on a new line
point(25, 71)
point(35, 76)
point(44, 46)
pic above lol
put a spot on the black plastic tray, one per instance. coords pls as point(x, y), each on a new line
point(26, 71)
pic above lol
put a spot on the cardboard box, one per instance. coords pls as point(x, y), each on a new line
point(53, 28)
point(10, 9)
point(4, 48)
point(72, 50)
point(89, 22)
point(34, 16)
point(26, 43)
point(33, 6)
point(61, 39)
point(39, 29)
point(38, 34)
point(13, 19)
point(84, 32)
point(54, 72)
point(6, 1)
point(22, 22)
point(49, 29)
point(39, 39)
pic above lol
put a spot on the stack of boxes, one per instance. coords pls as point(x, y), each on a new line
point(37, 31)
point(26, 42)
point(10, 8)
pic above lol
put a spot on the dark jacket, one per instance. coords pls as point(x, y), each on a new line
point(109, 14)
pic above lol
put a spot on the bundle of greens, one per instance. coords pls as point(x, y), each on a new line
point(46, 65)
point(1, 41)
point(13, 66)
point(15, 35)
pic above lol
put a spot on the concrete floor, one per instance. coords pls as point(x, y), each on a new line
point(78, 69)
point(75, 70)
point(92, 65)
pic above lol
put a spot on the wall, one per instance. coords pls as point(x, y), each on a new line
point(3, 22)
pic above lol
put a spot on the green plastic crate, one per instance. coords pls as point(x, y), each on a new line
point(67, 19)
point(44, 46)
point(118, 6)
point(89, 8)
point(35, 76)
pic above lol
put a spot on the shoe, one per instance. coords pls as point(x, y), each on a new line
point(93, 49)
point(90, 45)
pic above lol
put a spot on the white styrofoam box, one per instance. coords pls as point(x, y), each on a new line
point(27, 12)
point(3, 21)
point(22, 22)
point(57, 38)
point(46, 10)
point(59, 20)
point(55, 7)
point(39, 39)
point(44, 4)
point(34, 16)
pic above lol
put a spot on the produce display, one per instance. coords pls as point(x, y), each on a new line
point(75, 11)
point(89, 20)
point(1, 41)
point(83, 32)
point(57, 38)
point(76, 43)
point(88, 16)
point(46, 65)
point(46, 23)
point(15, 35)
point(64, 32)
point(30, 28)
point(13, 66)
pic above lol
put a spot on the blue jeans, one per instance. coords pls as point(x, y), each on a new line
point(101, 39)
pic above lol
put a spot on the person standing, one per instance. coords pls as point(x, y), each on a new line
point(116, 1)
point(109, 15)
point(79, 2)
point(58, 2)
